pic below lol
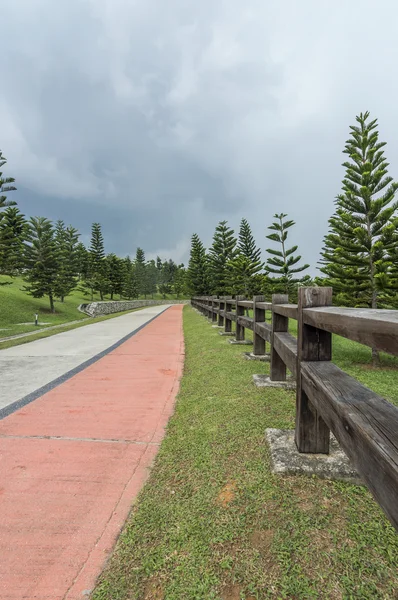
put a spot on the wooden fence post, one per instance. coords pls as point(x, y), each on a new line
point(213, 306)
point(258, 317)
point(240, 312)
point(279, 323)
point(209, 302)
point(221, 307)
point(228, 308)
point(312, 433)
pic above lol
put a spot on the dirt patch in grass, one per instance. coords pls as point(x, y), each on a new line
point(231, 592)
point(153, 589)
point(262, 539)
point(227, 494)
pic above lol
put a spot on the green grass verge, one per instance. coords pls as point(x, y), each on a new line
point(17, 308)
point(213, 522)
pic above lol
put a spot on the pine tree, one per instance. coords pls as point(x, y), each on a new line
point(151, 278)
point(359, 248)
point(97, 279)
point(180, 281)
point(40, 260)
point(247, 263)
point(115, 269)
point(5, 186)
point(140, 270)
point(130, 284)
point(12, 237)
point(168, 272)
point(283, 261)
point(82, 261)
point(221, 253)
point(197, 274)
point(66, 242)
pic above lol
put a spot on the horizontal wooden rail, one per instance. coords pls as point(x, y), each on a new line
point(263, 330)
point(286, 310)
point(264, 305)
point(246, 322)
point(286, 346)
point(365, 425)
point(230, 315)
point(372, 327)
point(246, 303)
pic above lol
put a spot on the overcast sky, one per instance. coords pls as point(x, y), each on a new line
point(158, 118)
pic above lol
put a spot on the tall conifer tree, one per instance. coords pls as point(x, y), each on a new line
point(197, 274)
point(247, 263)
point(140, 271)
point(98, 279)
point(5, 186)
point(362, 237)
point(41, 260)
point(13, 230)
point(130, 285)
point(221, 253)
point(283, 262)
point(66, 242)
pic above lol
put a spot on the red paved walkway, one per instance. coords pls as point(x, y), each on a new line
point(73, 461)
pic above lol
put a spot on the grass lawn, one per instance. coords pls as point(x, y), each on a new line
point(213, 522)
point(18, 308)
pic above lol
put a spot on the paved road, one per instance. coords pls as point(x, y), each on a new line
point(27, 368)
point(73, 460)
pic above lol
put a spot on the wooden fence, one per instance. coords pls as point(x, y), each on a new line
point(327, 398)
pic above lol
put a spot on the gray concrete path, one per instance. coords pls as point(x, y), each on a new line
point(26, 368)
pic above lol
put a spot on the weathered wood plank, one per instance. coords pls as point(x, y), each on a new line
point(259, 317)
point(240, 311)
point(365, 425)
point(312, 434)
point(285, 345)
point(221, 311)
point(246, 322)
point(264, 305)
point(279, 323)
point(286, 310)
point(228, 308)
point(263, 330)
point(373, 327)
point(214, 316)
point(246, 303)
point(231, 316)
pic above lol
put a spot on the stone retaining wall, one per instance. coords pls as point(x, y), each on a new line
point(96, 309)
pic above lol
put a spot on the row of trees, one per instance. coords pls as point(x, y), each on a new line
point(359, 258)
point(234, 265)
point(53, 262)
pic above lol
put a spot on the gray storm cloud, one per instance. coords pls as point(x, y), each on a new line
point(161, 118)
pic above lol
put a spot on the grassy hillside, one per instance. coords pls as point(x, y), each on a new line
point(18, 308)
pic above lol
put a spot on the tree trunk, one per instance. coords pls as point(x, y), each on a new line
point(52, 307)
point(62, 298)
point(375, 352)
point(101, 295)
point(112, 295)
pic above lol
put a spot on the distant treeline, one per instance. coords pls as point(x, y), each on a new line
point(53, 262)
